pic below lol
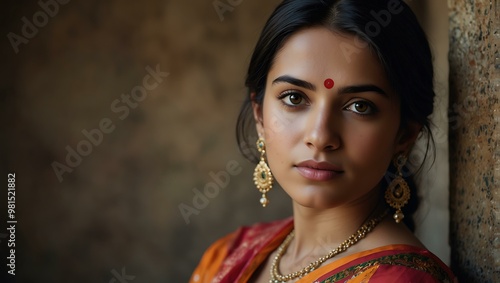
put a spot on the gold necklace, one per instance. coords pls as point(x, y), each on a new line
point(276, 277)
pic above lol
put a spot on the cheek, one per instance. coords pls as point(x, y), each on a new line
point(281, 132)
point(370, 145)
point(274, 126)
point(276, 123)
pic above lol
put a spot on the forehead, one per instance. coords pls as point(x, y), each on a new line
point(314, 54)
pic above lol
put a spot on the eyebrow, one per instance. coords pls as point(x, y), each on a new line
point(362, 88)
point(342, 90)
point(294, 81)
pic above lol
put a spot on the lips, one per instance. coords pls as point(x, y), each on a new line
point(318, 171)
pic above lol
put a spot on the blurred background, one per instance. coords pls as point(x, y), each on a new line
point(118, 205)
point(119, 123)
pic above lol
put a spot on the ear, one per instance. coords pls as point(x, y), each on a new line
point(407, 137)
point(257, 115)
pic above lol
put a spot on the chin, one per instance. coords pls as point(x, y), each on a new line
point(317, 204)
point(315, 198)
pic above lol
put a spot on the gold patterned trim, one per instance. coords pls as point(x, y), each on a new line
point(409, 260)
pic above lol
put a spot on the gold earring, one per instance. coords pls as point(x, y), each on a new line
point(398, 191)
point(262, 176)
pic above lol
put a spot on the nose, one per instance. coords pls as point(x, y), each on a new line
point(322, 130)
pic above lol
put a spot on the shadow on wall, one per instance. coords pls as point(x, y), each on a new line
point(119, 126)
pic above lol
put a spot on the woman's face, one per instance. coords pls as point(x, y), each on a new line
point(328, 146)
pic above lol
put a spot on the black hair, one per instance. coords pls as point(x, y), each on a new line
point(390, 30)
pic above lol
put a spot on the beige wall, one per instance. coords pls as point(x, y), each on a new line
point(119, 206)
point(433, 217)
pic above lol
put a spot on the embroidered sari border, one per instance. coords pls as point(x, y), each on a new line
point(413, 258)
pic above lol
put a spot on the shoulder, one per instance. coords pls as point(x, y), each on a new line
point(389, 233)
point(411, 264)
point(238, 245)
point(251, 235)
point(396, 263)
point(254, 235)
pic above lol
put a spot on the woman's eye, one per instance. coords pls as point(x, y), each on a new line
point(361, 107)
point(295, 98)
point(292, 98)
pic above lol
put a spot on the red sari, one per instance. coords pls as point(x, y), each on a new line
point(237, 256)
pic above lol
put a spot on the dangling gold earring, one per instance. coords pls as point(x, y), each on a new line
point(262, 176)
point(398, 191)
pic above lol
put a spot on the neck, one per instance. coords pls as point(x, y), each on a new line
point(318, 231)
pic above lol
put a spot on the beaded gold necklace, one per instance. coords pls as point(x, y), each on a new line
point(276, 277)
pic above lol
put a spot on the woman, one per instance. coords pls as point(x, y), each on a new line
point(339, 91)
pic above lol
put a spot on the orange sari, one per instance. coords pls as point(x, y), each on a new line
point(237, 256)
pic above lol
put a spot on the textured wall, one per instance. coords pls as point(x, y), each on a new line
point(474, 136)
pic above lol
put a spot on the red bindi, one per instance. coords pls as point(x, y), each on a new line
point(329, 83)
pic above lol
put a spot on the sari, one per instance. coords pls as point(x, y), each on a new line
point(235, 257)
